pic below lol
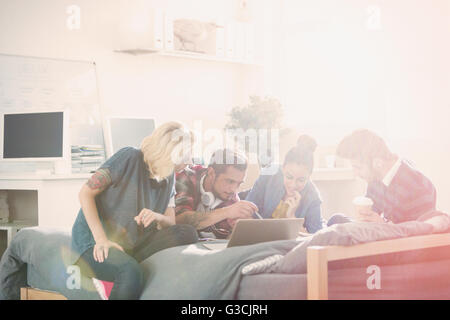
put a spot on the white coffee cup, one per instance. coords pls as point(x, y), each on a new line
point(362, 204)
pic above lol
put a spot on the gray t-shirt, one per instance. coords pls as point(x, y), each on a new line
point(130, 191)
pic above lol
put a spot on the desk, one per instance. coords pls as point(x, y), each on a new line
point(57, 196)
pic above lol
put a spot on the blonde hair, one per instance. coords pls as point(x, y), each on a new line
point(162, 146)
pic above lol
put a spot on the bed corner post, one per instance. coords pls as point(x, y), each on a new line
point(23, 293)
point(317, 273)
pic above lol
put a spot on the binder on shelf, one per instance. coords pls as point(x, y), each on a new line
point(158, 29)
point(231, 41)
point(220, 39)
point(230, 31)
point(168, 32)
point(138, 30)
point(220, 42)
point(249, 42)
point(239, 42)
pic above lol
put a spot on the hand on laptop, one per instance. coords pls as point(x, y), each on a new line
point(242, 210)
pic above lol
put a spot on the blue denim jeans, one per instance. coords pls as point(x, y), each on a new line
point(123, 268)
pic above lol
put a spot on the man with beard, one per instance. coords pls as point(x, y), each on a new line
point(206, 197)
point(398, 190)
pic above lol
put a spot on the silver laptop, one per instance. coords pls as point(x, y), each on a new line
point(251, 231)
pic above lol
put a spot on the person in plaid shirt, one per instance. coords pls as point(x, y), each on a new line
point(398, 190)
point(206, 197)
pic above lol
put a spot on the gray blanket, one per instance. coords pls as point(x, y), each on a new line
point(193, 272)
point(185, 272)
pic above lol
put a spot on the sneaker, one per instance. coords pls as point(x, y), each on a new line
point(100, 287)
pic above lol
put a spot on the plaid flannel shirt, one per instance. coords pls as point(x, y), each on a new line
point(188, 197)
point(409, 195)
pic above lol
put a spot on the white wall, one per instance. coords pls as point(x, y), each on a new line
point(344, 72)
point(418, 103)
point(160, 87)
point(412, 106)
point(163, 88)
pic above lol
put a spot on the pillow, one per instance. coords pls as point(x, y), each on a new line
point(261, 266)
point(347, 234)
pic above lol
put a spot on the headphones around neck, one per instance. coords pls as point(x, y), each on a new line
point(207, 198)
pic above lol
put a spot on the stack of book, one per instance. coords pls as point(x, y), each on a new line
point(87, 158)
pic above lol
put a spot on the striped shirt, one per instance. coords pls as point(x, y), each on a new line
point(405, 197)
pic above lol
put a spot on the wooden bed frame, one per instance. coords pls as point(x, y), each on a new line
point(317, 262)
point(36, 294)
point(318, 257)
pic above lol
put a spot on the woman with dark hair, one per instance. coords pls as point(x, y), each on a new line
point(289, 193)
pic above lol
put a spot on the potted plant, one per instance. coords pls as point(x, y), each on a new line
point(261, 113)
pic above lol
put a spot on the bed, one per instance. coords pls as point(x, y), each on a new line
point(335, 263)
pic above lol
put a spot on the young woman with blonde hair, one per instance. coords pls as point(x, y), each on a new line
point(127, 210)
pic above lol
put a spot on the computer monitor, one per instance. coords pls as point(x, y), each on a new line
point(35, 136)
point(127, 132)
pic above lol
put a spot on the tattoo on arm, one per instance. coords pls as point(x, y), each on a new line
point(195, 218)
point(100, 180)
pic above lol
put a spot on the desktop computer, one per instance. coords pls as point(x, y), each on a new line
point(36, 136)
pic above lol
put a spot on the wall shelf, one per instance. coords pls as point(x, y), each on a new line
point(53, 201)
point(18, 224)
point(186, 55)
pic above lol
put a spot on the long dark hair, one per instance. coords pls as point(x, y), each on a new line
point(302, 153)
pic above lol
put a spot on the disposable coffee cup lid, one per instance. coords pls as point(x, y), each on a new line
point(362, 201)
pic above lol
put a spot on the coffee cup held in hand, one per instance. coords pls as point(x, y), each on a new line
point(362, 204)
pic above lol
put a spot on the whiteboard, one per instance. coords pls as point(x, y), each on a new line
point(30, 84)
